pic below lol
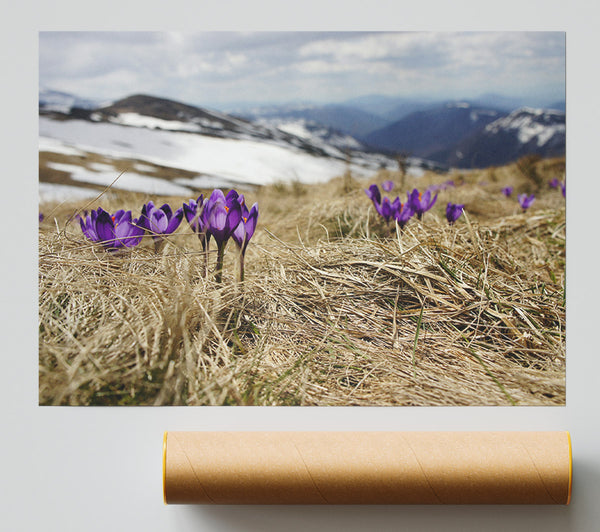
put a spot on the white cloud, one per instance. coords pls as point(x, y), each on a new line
point(217, 66)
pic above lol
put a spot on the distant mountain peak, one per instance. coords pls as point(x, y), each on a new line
point(458, 105)
point(531, 126)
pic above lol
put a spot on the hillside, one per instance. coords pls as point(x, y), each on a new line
point(336, 307)
point(468, 136)
point(430, 132)
point(522, 132)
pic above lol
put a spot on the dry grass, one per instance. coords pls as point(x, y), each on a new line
point(335, 310)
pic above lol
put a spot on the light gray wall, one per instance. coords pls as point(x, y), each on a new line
point(99, 469)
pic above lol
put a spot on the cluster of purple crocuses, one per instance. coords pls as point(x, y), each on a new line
point(525, 201)
point(417, 204)
point(218, 216)
point(222, 217)
point(555, 183)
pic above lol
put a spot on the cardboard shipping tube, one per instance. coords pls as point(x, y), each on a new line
point(367, 467)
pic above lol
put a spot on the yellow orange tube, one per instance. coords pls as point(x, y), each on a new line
point(367, 468)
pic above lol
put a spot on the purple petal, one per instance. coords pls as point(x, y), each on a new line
point(373, 194)
point(158, 222)
point(174, 221)
point(425, 197)
point(216, 196)
point(232, 195)
point(167, 210)
point(120, 215)
point(190, 210)
point(413, 199)
point(251, 221)
point(88, 228)
point(239, 234)
point(453, 212)
point(193, 213)
point(105, 228)
point(134, 234)
point(234, 216)
point(403, 214)
point(217, 221)
point(244, 207)
point(432, 203)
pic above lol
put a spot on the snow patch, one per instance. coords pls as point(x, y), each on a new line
point(56, 146)
point(104, 175)
point(244, 161)
point(144, 167)
point(132, 182)
point(205, 181)
point(54, 192)
point(531, 124)
point(101, 167)
point(150, 122)
point(297, 128)
point(415, 171)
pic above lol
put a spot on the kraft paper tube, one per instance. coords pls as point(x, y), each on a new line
point(367, 468)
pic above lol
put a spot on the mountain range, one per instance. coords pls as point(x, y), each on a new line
point(463, 134)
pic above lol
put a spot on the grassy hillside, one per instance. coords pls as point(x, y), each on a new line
point(335, 309)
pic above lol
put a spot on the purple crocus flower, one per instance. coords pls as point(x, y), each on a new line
point(41, 217)
point(374, 195)
point(223, 214)
point(387, 208)
point(384, 206)
point(507, 191)
point(387, 185)
point(563, 189)
point(554, 183)
point(193, 214)
point(244, 231)
point(453, 212)
point(160, 221)
point(112, 231)
point(525, 201)
point(196, 214)
point(403, 213)
point(421, 203)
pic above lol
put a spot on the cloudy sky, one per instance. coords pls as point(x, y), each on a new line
point(221, 69)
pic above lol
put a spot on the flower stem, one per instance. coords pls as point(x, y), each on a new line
point(158, 244)
point(219, 269)
point(204, 242)
point(241, 274)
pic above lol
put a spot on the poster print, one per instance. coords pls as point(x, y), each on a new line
point(296, 218)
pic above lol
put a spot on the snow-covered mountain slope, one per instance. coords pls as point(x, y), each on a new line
point(214, 161)
point(429, 133)
point(535, 126)
point(313, 132)
point(208, 147)
point(525, 131)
